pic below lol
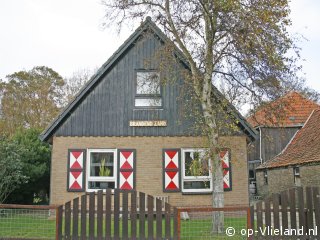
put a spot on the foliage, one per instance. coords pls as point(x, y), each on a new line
point(30, 99)
point(35, 158)
point(11, 168)
point(103, 170)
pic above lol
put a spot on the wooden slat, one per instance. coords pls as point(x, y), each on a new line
point(284, 209)
point(252, 221)
point(267, 207)
point(159, 219)
point(108, 213)
point(167, 208)
point(150, 217)
point(259, 217)
point(176, 224)
point(83, 217)
point(142, 209)
point(125, 215)
point(67, 219)
point(100, 215)
point(75, 219)
point(316, 202)
point(133, 215)
point(293, 211)
point(275, 204)
point(91, 214)
point(116, 214)
point(309, 208)
point(302, 219)
point(59, 213)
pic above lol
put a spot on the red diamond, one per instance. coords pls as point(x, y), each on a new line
point(126, 175)
point(126, 165)
point(75, 174)
point(171, 165)
point(76, 154)
point(126, 186)
point(76, 165)
point(171, 154)
point(172, 186)
point(126, 154)
point(171, 174)
point(75, 185)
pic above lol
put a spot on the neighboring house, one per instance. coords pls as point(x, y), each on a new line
point(297, 165)
point(276, 123)
point(124, 130)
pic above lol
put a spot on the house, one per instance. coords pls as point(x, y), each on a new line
point(124, 130)
point(297, 165)
point(276, 123)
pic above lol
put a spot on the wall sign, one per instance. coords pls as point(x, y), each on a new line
point(157, 123)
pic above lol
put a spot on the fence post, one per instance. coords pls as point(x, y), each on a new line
point(176, 224)
point(59, 222)
point(250, 222)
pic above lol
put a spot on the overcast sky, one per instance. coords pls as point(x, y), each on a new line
point(66, 35)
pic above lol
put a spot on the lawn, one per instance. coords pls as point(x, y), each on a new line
point(43, 227)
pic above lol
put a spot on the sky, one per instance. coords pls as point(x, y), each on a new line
point(67, 35)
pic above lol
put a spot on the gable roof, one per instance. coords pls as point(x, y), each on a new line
point(290, 110)
point(303, 148)
point(148, 24)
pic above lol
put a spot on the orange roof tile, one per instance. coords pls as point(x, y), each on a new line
point(290, 110)
point(304, 147)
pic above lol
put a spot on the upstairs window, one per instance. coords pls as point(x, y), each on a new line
point(148, 90)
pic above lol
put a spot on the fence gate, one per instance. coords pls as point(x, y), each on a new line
point(291, 214)
point(122, 214)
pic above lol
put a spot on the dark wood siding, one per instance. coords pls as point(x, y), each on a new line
point(274, 140)
point(109, 107)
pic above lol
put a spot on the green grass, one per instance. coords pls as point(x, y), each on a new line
point(28, 226)
point(202, 229)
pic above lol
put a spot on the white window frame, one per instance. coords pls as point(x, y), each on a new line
point(195, 178)
point(89, 178)
point(147, 98)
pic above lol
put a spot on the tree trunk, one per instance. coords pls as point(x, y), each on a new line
point(217, 195)
point(217, 173)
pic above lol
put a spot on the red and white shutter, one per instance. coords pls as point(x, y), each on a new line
point(126, 167)
point(171, 170)
point(226, 167)
point(76, 170)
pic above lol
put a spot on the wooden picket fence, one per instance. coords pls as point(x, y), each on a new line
point(116, 215)
point(296, 210)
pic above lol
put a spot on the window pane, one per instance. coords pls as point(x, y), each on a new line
point(101, 185)
point(148, 83)
point(197, 185)
point(196, 164)
point(101, 164)
point(148, 102)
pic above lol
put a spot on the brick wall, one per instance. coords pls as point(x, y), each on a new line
point(149, 165)
point(280, 179)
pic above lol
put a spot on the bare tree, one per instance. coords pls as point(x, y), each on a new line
point(242, 43)
point(74, 83)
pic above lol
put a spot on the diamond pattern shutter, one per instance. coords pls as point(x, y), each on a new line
point(76, 170)
point(226, 166)
point(127, 169)
point(171, 170)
